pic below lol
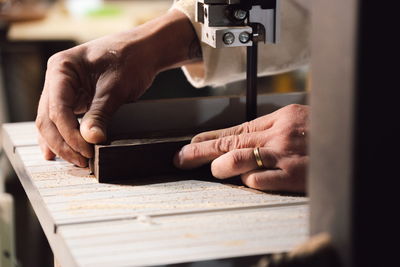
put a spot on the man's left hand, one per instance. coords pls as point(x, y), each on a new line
point(282, 141)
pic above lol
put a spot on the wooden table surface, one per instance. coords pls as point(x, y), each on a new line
point(155, 222)
point(59, 24)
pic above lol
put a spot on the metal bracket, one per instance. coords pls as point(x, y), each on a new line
point(238, 23)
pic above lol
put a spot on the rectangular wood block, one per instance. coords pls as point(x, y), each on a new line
point(136, 158)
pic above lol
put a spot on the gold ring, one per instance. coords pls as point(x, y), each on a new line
point(256, 152)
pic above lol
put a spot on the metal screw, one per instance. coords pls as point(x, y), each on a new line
point(244, 37)
point(240, 14)
point(228, 38)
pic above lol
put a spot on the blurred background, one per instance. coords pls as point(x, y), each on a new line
point(30, 32)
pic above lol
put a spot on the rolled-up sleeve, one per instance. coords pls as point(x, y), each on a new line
point(224, 65)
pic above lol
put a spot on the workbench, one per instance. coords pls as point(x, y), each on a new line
point(59, 24)
point(153, 221)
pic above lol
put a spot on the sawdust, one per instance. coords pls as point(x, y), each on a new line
point(190, 236)
point(145, 219)
point(234, 243)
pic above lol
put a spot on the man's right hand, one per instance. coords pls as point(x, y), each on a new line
point(96, 78)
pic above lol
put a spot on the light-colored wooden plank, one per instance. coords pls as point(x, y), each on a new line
point(103, 210)
point(33, 193)
point(131, 200)
point(156, 203)
point(22, 134)
point(183, 220)
point(184, 186)
point(182, 238)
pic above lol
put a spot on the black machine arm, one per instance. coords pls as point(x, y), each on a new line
point(235, 23)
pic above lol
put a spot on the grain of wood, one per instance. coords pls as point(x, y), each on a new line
point(156, 221)
point(198, 236)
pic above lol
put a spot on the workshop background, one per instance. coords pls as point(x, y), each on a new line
point(30, 32)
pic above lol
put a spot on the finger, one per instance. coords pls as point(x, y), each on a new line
point(273, 180)
point(47, 153)
point(241, 161)
point(296, 167)
point(40, 125)
point(197, 154)
point(94, 123)
point(68, 127)
point(259, 124)
point(52, 137)
point(61, 148)
point(57, 144)
point(61, 113)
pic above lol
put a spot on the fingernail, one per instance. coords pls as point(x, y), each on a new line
point(82, 163)
point(96, 135)
point(182, 153)
point(76, 162)
point(86, 163)
point(96, 130)
point(178, 159)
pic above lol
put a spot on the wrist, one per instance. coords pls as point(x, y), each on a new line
point(163, 43)
point(173, 41)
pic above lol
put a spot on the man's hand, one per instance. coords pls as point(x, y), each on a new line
point(281, 138)
point(96, 78)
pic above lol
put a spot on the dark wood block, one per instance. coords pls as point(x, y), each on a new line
point(136, 158)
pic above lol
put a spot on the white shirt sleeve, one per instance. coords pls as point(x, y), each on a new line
point(223, 65)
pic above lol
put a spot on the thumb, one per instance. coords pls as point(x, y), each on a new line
point(94, 123)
